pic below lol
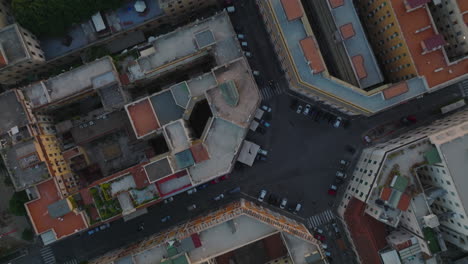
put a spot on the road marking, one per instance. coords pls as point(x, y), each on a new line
point(48, 255)
point(320, 218)
point(269, 91)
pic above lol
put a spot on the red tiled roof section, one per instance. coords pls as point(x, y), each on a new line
point(386, 192)
point(404, 202)
point(124, 79)
point(347, 31)
point(395, 90)
point(336, 3)
point(137, 171)
point(86, 196)
point(415, 3)
point(433, 42)
point(41, 219)
point(3, 61)
point(312, 54)
point(367, 233)
point(142, 117)
point(292, 8)
point(199, 152)
point(463, 6)
point(359, 67)
point(431, 65)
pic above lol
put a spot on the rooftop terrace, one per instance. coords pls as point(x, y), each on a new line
point(12, 112)
point(294, 31)
point(84, 79)
point(43, 221)
point(12, 44)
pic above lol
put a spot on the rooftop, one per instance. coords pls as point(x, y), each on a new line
point(12, 44)
point(433, 65)
point(68, 224)
point(158, 169)
point(294, 31)
point(84, 79)
point(142, 117)
point(12, 111)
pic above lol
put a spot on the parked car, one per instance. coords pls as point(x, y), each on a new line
point(344, 162)
point(337, 122)
point(283, 203)
point(248, 54)
point(335, 228)
point(319, 237)
point(261, 130)
point(262, 152)
point(168, 200)
point(298, 208)
point(240, 36)
point(318, 230)
point(166, 218)
point(264, 123)
point(104, 226)
point(219, 197)
point(261, 157)
point(231, 9)
point(234, 190)
point(332, 190)
point(224, 177)
point(215, 181)
point(192, 207)
point(299, 109)
point(367, 139)
point(324, 246)
point(192, 191)
point(306, 109)
point(202, 186)
point(262, 195)
point(328, 253)
point(266, 108)
point(256, 73)
point(244, 44)
point(341, 174)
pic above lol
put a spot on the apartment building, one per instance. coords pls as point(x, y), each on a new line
point(414, 183)
point(20, 54)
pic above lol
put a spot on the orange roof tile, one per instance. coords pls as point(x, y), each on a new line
point(465, 18)
point(347, 31)
point(463, 5)
point(312, 54)
point(336, 3)
point(292, 8)
point(143, 118)
point(199, 153)
point(395, 90)
point(404, 202)
point(359, 67)
point(386, 192)
point(41, 219)
point(427, 63)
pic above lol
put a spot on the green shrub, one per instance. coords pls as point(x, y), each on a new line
point(17, 203)
point(27, 234)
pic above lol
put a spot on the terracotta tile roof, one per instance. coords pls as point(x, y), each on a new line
point(347, 31)
point(415, 3)
point(359, 67)
point(3, 61)
point(404, 202)
point(367, 233)
point(386, 192)
point(143, 118)
point(292, 8)
point(86, 196)
point(199, 152)
point(433, 42)
point(312, 54)
point(395, 90)
point(426, 63)
point(124, 79)
point(336, 3)
point(41, 219)
point(463, 6)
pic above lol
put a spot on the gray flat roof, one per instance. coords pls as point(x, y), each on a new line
point(177, 136)
point(165, 107)
point(79, 80)
point(12, 43)
point(293, 32)
point(11, 112)
point(358, 45)
point(158, 169)
point(455, 155)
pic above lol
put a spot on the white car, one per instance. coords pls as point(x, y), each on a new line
point(168, 200)
point(231, 9)
point(299, 109)
point(262, 152)
point(219, 197)
point(283, 203)
point(340, 174)
point(248, 54)
point(337, 122)
point(306, 109)
point(192, 191)
point(240, 36)
point(266, 108)
point(262, 195)
point(244, 44)
point(191, 207)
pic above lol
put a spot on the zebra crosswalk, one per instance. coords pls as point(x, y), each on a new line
point(48, 255)
point(320, 218)
point(271, 91)
point(73, 261)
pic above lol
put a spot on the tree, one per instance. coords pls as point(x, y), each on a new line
point(55, 17)
point(27, 234)
point(17, 203)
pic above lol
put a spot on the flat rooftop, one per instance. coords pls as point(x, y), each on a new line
point(24, 165)
point(222, 142)
point(86, 78)
point(294, 31)
point(12, 44)
point(357, 44)
point(427, 63)
point(12, 112)
point(241, 114)
point(188, 42)
point(41, 218)
point(142, 117)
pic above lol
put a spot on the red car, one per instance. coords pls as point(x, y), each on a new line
point(320, 237)
point(332, 190)
point(224, 177)
point(215, 181)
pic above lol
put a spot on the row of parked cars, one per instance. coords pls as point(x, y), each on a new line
point(317, 115)
point(320, 235)
point(340, 177)
point(281, 203)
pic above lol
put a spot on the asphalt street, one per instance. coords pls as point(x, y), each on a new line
point(303, 156)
